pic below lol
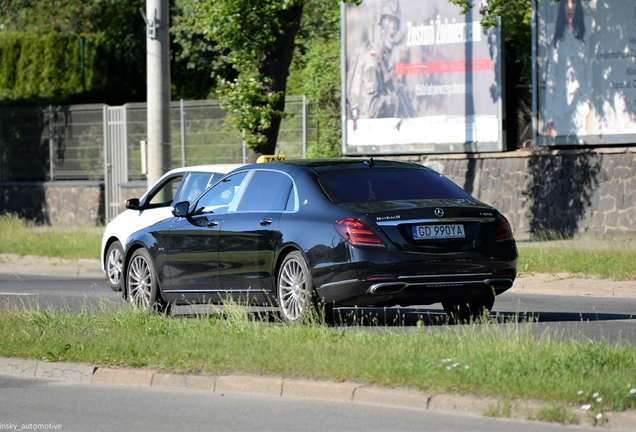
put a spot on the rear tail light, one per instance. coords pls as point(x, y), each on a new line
point(503, 230)
point(358, 233)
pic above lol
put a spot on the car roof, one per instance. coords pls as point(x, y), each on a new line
point(324, 166)
point(213, 168)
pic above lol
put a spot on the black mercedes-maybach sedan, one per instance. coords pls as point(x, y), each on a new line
point(341, 232)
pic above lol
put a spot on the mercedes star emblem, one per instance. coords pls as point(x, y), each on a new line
point(439, 212)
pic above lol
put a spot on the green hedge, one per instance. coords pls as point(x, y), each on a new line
point(48, 68)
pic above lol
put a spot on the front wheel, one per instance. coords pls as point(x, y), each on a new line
point(295, 288)
point(114, 265)
point(141, 283)
point(469, 310)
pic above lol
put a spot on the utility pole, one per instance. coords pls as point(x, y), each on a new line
point(158, 89)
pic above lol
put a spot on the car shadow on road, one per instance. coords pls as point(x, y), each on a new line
point(437, 317)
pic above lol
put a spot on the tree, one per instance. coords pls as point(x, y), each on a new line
point(316, 74)
point(195, 64)
point(516, 18)
point(258, 38)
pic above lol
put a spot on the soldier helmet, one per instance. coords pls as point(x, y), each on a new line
point(390, 8)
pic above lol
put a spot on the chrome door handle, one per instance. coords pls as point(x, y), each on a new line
point(266, 221)
point(213, 223)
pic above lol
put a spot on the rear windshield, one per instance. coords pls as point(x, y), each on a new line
point(389, 185)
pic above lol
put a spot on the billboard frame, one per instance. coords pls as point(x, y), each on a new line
point(498, 145)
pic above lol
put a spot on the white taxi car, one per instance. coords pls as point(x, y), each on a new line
point(180, 184)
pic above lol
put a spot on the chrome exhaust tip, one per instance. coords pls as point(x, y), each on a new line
point(385, 288)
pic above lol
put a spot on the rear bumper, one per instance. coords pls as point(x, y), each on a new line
point(410, 290)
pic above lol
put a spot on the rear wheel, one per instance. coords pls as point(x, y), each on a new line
point(141, 284)
point(295, 288)
point(114, 265)
point(470, 310)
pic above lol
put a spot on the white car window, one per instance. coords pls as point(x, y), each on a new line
point(194, 185)
point(164, 196)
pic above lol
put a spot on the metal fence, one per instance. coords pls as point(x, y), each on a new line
point(67, 142)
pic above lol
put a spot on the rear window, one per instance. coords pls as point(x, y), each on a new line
point(389, 185)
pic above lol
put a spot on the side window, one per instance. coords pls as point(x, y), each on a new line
point(220, 198)
point(164, 196)
point(267, 191)
point(194, 185)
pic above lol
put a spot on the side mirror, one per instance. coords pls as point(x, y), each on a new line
point(181, 209)
point(132, 204)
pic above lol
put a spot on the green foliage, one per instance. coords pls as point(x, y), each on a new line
point(321, 84)
point(250, 107)
point(252, 36)
point(25, 238)
point(49, 67)
point(316, 74)
point(516, 18)
point(113, 31)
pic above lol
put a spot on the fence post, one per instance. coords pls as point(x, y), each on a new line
point(305, 125)
point(244, 147)
point(1, 147)
point(184, 161)
point(51, 142)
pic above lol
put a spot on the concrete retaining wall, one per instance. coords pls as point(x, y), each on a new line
point(573, 192)
point(60, 203)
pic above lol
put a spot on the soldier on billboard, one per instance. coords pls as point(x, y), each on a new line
point(375, 91)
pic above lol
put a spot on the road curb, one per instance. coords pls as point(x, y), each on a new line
point(345, 392)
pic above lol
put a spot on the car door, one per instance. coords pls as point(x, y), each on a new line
point(250, 236)
point(193, 245)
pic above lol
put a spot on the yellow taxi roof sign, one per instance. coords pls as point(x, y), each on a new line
point(271, 158)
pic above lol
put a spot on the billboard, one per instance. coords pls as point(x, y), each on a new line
point(585, 72)
point(419, 77)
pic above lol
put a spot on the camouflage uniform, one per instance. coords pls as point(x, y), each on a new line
point(374, 90)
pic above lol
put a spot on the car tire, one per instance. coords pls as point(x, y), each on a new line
point(295, 289)
point(470, 310)
point(142, 288)
point(114, 265)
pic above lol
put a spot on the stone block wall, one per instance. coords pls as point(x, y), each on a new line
point(62, 203)
point(573, 192)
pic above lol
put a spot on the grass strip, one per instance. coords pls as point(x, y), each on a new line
point(25, 238)
point(607, 259)
point(494, 359)
point(573, 259)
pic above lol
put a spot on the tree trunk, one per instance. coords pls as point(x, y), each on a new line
point(275, 67)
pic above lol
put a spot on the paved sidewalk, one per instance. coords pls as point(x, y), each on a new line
point(548, 284)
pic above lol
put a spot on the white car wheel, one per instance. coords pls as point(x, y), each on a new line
point(114, 265)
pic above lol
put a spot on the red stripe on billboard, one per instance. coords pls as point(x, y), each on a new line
point(436, 67)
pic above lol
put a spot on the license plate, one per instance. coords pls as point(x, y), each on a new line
point(421, 232)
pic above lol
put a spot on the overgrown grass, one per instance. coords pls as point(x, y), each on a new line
point(500, 360)
point(25, 238)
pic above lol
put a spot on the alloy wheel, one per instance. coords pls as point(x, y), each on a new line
point(293, 288)
point(139, 282)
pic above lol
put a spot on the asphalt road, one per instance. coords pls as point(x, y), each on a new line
point(578, 317)
point(56, 405)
